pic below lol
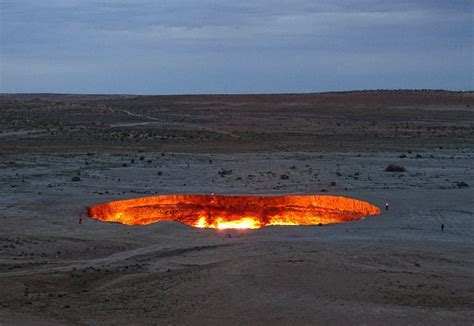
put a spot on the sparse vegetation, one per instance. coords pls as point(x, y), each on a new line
point(462, 184)
point(224, 172)
point(394, 168)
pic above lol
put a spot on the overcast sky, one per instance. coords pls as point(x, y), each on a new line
point(229, 46)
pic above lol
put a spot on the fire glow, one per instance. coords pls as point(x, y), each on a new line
point(234, 212)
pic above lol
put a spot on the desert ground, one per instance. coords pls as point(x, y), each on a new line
point(60, 154)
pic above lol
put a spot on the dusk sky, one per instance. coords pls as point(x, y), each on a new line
point(210, 46)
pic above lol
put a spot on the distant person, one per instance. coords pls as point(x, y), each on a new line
point(442, 227)
point(386, 206)
point(80, 219)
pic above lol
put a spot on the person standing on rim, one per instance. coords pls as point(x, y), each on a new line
point(386, 206)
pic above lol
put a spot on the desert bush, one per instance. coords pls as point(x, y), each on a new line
point(223, 172)
point(462, 184)
point(394, 168)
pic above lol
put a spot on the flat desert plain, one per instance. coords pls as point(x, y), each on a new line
point(59, 154)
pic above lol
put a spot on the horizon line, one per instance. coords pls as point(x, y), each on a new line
point(439, 90)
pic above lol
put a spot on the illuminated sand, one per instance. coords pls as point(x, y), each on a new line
point(242, 212)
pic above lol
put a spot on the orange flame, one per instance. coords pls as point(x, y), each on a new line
point(234, 212)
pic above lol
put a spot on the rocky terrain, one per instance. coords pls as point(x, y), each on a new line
point(59, 154)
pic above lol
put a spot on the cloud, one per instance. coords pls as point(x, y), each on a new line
point(59, 37)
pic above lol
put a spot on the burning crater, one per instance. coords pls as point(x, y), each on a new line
point(239, 212)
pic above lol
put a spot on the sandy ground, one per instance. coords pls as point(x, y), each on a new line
point(395, 268)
